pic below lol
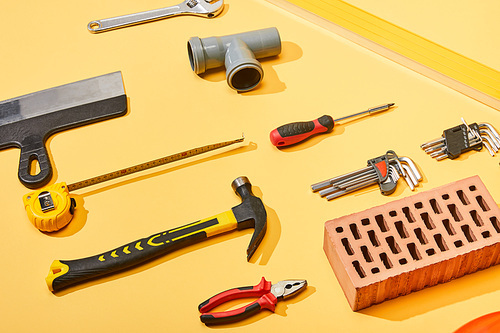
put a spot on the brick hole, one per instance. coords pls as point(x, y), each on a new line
point(494, 222)
point(359, 269)
point(385, 260)
point(430, 252)
point(440, 242)
point(486, 234)
point(427, 221)
point(468, 233)
point(418, 205)
point(448, 227)
point(403, 261)
point(413, 251)
point(381, 223)
point(375, 270)
point(408, 214)
point(462, 197)
point(366, 254)
point(393, 213)
point(401, 229)
point(482, 203)
point(435, 206)
point(445, 196)
point(339, 229)
point(347, 246)
point(476, 218)
point(458, 243)
point(454, 212)
point(393, 245)
point(472, 188)
point(373, 238)
point(365, 221)
point(421, 237)
point(354, 230)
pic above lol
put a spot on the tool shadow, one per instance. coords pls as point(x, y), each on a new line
point(270, 84)
point(80, 217)
point(436, 297)
point(264, 251)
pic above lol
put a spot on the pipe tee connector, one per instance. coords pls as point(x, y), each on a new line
point(238, 53)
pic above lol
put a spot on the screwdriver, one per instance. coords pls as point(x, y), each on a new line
point(292, 133)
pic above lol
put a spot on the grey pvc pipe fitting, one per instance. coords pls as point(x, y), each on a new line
point(238, 53)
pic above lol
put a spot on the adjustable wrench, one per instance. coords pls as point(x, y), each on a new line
point(203, 8)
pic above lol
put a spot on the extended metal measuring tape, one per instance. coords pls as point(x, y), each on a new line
point(51, 208)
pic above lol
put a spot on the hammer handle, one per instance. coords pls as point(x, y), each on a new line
point(64, 273)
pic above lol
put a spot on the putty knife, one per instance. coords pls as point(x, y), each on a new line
point(27, 121)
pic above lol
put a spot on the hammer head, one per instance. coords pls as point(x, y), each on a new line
point(250, 213)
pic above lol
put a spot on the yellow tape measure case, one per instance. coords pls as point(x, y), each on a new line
point(51, 208)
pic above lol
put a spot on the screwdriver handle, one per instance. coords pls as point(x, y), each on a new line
point(292, 133)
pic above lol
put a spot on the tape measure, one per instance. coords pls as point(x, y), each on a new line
point(51, 208)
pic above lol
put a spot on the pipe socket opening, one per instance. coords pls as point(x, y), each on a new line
point(245, 78)
point(196, 55)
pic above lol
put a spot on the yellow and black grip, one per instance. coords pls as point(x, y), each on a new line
point(64, 273)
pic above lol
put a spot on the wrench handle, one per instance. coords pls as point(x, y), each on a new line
point(64, 273)
point(133, 19)
point(292, 133)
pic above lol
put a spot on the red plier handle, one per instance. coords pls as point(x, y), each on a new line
point(266, 301)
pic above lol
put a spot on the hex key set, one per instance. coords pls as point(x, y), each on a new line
point(463, 138)
point(384, 170)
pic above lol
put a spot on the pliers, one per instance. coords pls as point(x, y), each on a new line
point(269, 295)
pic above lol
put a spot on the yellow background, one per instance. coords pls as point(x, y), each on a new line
point(45, 44)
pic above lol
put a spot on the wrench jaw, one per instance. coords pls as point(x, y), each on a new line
point(203, 8)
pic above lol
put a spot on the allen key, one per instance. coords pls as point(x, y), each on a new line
point(384, 170)
point(463, 138)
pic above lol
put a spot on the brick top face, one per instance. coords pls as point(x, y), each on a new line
point(418, 231)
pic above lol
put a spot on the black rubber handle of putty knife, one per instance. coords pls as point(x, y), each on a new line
point(32, 148)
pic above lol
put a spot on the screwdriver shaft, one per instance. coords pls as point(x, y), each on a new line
point(375, 109)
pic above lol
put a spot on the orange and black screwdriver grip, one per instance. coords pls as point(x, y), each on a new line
point(64, 273)
point(293, 133)
point(266, 301)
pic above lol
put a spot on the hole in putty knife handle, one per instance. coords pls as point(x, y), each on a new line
point(33, 149)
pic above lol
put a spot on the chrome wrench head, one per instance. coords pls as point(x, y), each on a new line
point(202, 8)
point(205, 8)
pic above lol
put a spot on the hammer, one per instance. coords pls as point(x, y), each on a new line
point(250, 213)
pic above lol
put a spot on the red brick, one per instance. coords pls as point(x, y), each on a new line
point(413, 243)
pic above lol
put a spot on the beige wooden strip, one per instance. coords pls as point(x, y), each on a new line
point(402, 46)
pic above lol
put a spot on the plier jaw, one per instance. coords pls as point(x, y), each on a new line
point(268, 297)
point(287, 288)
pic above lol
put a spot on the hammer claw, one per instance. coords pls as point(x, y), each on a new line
point(251, 213)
